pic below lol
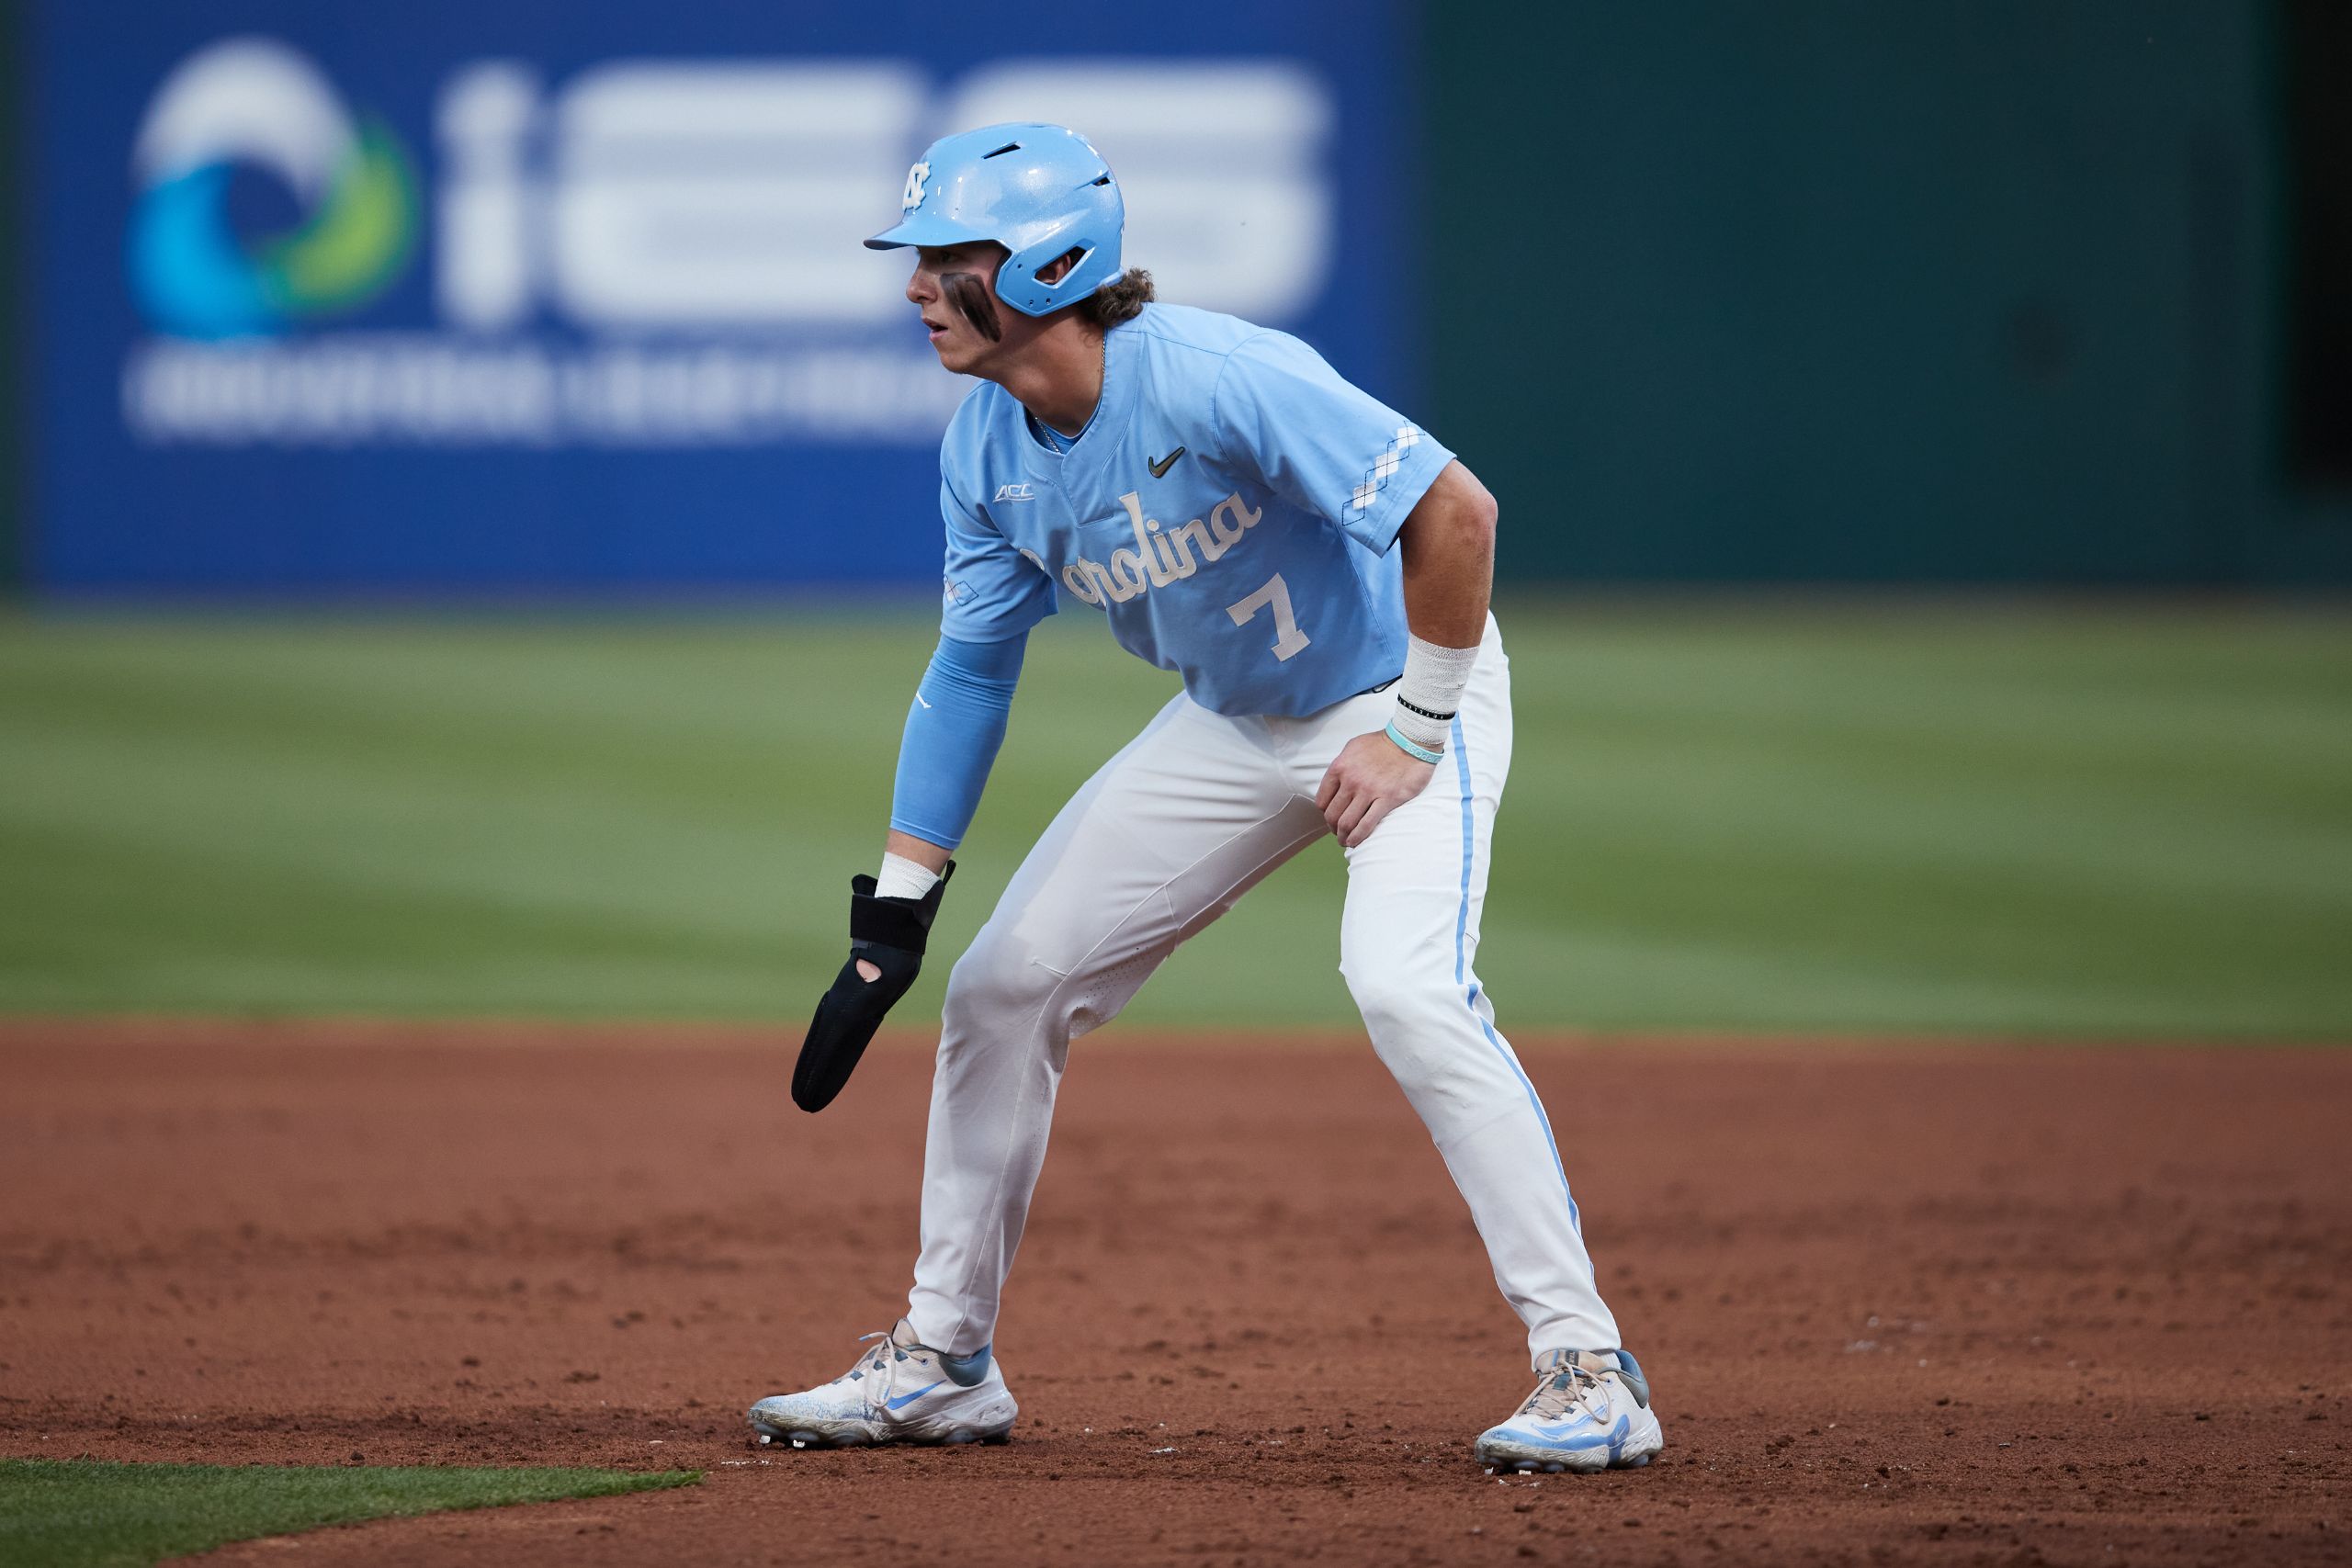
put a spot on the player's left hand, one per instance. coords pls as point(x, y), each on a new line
point(1370, 778)
point(886, 937)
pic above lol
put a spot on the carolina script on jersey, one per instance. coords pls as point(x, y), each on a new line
point(1161, 556)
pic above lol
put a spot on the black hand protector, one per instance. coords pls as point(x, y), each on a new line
point(889, 933)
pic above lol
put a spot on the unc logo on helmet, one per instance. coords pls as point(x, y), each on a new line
point(1041, 191)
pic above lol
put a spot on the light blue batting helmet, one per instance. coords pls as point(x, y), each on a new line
point(1041, 191)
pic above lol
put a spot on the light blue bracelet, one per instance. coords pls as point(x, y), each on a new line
point(1413, 749)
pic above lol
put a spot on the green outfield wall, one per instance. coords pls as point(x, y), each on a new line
point(1948, 291)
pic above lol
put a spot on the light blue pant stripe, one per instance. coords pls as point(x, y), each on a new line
point(1469, 847)
point(1461, 969)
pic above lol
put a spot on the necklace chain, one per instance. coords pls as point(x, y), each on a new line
point(1063, 444)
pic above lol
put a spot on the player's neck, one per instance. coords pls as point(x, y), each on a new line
point(1058, 375)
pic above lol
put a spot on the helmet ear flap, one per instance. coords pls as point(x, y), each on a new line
point(1076, 256)
point(1019, 283)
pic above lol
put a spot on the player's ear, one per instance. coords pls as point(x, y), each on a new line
point(1058, 268)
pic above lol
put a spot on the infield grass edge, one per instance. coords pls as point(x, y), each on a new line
point(82, 1513)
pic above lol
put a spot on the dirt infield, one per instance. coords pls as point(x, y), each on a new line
point(1908, 1305)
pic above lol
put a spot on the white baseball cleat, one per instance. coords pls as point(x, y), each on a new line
point(1590, 1413)
point(900, 1392)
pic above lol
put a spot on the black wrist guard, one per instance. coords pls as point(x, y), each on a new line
point(889, 933)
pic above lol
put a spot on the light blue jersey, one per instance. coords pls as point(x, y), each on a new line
point(1231, 509)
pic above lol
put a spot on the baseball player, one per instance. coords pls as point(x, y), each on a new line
point(1317, 567)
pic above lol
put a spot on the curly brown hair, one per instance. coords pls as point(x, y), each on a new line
point(1121, 299)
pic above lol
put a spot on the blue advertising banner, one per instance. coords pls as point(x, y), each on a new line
point(537, 297)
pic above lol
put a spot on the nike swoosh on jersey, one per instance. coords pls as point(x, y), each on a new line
point(1160, 465)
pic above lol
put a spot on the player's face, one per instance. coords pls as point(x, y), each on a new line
point(941, 274)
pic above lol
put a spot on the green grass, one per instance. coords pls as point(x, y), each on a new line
point(95, 1514)
point(1903, 817)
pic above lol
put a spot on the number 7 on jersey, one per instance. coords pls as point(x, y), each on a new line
point(1275, 595)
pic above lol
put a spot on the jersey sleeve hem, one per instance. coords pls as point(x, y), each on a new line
point(1395, 494)
point(989, 588)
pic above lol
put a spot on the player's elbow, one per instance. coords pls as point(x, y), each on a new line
point(1479, 502)
point(1463, 513)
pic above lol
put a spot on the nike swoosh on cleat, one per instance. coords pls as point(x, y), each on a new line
point(906, 1399)
point(1160, 465)
point(1567, 1434)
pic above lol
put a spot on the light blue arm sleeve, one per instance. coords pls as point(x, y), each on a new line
point(953, 728)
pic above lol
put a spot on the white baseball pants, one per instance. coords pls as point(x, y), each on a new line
point(1192, 814)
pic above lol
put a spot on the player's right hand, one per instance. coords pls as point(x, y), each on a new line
point(1369, 779)
point(886, 935)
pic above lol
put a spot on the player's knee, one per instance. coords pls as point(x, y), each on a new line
point(1390, 994)
point(995, 977)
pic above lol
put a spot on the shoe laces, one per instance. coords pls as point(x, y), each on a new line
point(884, 1363)
point(1567, 1386)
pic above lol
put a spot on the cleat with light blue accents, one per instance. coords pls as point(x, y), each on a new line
point(1590, 1413)
point(900, 1391)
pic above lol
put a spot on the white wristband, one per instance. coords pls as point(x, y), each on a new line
point(1430, 692)
point(903, 878)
